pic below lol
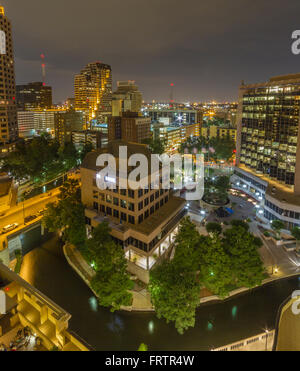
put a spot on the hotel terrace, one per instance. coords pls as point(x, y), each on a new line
point(22, 307)
point(143, 221)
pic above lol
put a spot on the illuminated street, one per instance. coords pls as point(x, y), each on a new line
point(149, 178)
point(31, 207)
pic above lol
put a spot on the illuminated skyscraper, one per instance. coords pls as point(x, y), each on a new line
point(93, 90)
point(8, 109)
point(34, 95)
point(268, 152)
point(126, 98)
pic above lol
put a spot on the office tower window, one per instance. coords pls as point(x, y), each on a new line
point(124, 204)
point(131, 219)
point(131, 193)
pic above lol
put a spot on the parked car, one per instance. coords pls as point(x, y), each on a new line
point(30, 218)
point(10, 227)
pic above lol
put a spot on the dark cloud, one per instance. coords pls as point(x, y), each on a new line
point(205, 47)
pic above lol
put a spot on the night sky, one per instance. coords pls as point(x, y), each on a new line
point(204, 47)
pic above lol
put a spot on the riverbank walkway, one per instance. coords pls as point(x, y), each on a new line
point(141, 296)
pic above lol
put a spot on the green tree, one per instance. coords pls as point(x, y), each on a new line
point(223, 147)
point(223, 183)
point(175, 294)
point(215, 267)
point(40, 159)
point(214, 229)
point(277, 226)
point(68, 156)
point(87, 148)
point(156, 146)
point(240, 223)
point(143, 348)
point(174, 285)
point(242, 249)
point(186, 246)
point(112, 282)
point(67, 215)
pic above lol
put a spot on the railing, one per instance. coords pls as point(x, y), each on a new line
point(264, 337)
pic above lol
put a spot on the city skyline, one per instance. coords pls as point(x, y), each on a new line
point(180, 44)
point(149, 163)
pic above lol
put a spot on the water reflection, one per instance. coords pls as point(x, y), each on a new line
point(216, 324)
point(116, 324)
point(151, 327)
point(93, 302)
point(234, 311)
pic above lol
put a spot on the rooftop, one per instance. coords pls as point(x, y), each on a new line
point(113, 148)
point(160, 216)
point(275, 81)
point(280, 192)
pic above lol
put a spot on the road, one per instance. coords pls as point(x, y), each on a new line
point(31, 207)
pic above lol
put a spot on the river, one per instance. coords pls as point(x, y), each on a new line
point(217, 324)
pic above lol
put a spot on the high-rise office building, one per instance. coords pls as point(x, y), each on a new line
point(93, 90)
point(143, 221)
point(130, 127)
point(127, 97)
point(8, 109)
point(34, 95)
point(67, 122)
point(95, 138)
point(179, 116)
point(268, 147)
point(35, 122)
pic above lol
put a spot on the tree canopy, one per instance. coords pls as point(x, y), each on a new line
point(40, 159)
point(214, 229)
point(67, 214)
point(220, 263)
point(216, 149)
point(156, 146)
point(112, 282)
